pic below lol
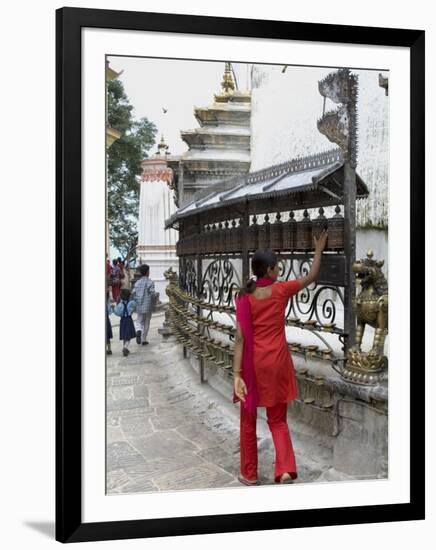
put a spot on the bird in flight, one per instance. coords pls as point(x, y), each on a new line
point(164, 110)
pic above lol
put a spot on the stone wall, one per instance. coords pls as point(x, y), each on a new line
point(350, 420)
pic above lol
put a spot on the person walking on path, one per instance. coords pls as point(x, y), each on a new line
point(263, 369)
point(124, 309)
point(116, 281)
point(144, 295)
point(125, 283)
point(108, 271)
point(109, 333)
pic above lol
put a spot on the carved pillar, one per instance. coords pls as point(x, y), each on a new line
point(340, 127)
point(199, 311)
point(350, 253)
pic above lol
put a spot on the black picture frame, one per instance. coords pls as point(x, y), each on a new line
point(69, 525)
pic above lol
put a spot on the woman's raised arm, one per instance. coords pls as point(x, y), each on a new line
point(316, 264)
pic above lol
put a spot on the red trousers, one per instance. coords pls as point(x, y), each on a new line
point(277, 422)
point(116, 289)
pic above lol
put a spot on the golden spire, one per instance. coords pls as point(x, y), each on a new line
point(162, 148)
point(227, 84)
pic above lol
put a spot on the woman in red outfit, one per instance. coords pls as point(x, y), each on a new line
point(264, 374)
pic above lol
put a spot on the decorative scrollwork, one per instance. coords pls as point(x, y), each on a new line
point(220, 282)
point(312, 303)
point(188, 276)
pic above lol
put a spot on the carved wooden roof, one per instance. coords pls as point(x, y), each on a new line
point(313, 181)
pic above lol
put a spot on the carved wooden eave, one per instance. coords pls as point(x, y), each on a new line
point(305, 182)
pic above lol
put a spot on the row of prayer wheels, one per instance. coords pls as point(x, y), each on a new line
point(184, 314)
point(201, 344)
point(193, 332)
point(290, 235)
point(174, 291)
point(313, 391)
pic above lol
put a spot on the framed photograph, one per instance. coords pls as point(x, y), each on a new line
point(240, 230)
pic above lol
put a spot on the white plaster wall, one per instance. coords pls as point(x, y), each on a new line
point(377, 241)
point(156, 204)
point(285, 109)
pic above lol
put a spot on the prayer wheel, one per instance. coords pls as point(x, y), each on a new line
point(304, 233)
point(318, 224)
point(289, 232)
point(335, 239)
point(265, 234)
point(209, 238)
point(276, 233)
point(227, 237)
point(214, 244)
point(253, 235)
point(236, 237)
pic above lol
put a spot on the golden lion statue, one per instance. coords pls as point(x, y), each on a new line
point(371, 307)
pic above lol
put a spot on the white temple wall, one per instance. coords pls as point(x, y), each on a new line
point(285, 108)
point(156, 245)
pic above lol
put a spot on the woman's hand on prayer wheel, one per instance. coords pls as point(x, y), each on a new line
point(320, 242)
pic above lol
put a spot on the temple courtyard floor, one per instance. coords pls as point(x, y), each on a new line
point(167, 431)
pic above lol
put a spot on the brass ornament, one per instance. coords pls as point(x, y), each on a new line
point(227, 84)
point(371, 307)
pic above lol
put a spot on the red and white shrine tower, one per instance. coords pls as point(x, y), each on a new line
point(157, 245)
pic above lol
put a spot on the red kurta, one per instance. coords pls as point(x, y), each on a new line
point(273, 365)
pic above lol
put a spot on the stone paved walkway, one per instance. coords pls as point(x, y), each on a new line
point(167, 431)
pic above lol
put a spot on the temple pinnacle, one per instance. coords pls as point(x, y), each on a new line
point(227, 84)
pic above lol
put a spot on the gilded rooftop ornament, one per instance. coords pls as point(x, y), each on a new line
point(162, 148)
point(228, 83)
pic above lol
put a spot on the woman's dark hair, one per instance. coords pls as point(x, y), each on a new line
point(125, 294)
point(260, 262)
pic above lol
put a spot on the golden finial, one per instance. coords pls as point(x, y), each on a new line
point(227, 84)
point(162, 148)
point(370, 254)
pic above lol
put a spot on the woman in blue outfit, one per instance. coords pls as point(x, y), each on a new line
point(124, 310)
